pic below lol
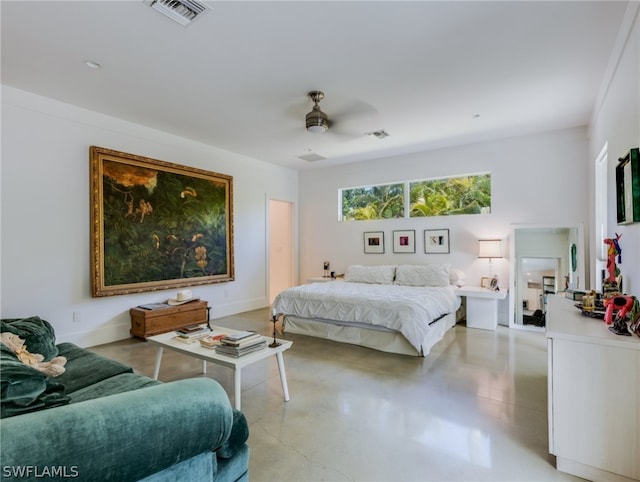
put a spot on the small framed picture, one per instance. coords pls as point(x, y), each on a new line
point(374, 242)
point(485, 282)
point(404, 241)
point(436, 241)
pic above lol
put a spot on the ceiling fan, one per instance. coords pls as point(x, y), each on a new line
point(316, 120)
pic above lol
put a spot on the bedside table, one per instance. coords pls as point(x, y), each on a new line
point(320, 279)
point(482, 306)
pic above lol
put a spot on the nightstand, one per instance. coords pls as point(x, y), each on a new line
point(482, 306)
point(320, 279)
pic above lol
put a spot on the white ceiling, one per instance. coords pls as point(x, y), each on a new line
point(237, 77)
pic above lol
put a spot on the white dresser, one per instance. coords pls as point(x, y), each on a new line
point(593, 396)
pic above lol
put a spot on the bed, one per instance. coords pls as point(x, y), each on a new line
point(403, 309)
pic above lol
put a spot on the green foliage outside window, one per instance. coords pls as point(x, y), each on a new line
point(450, 196)
point(373, 202)
point(435, 197)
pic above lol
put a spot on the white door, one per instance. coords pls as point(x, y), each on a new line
point(280, 247)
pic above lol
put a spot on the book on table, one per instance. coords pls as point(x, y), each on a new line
point(211, 341)
point(191, 328)
point(238, 351)
point(247, 338)
point(240, 336)
point(154, 306)
point(202, 330)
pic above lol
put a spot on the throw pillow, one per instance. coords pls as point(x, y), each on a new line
point(457, 277)
point(238, 437)
point(38, 334)
point(383, 274)
point(24, 389)
point(433, 275)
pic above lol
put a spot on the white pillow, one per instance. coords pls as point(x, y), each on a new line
point(423, 275)
point(383, 274)
point(457, 277)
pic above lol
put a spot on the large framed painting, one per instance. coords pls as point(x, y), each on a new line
point(157, 225)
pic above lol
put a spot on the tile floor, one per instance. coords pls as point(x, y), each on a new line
point(475, 409)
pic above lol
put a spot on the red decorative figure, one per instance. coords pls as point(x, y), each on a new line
point(613, 251)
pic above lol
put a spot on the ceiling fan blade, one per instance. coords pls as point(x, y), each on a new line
point(355, 108)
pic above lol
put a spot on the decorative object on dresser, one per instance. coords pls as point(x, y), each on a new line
point(149, 322)
point(611, 284)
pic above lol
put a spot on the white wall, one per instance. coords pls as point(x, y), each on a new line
point(537, 179)
point(45, 246)
point(616, 121)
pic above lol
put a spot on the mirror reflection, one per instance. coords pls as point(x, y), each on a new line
point(546, 261)
point(539, 278)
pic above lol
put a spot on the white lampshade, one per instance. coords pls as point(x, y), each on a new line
point(489, 248)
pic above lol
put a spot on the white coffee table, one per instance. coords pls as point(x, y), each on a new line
point(165, 340)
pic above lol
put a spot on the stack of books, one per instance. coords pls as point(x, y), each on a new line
point(241, 343)
point(191, 333)
point(211, 341)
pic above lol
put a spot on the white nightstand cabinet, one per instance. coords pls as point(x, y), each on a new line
point(320, 279)
point(482, 306)
point(593, 395)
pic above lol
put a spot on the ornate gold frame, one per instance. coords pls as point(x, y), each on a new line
point(156, 225)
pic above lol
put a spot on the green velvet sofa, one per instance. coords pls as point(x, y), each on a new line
point(99, 421)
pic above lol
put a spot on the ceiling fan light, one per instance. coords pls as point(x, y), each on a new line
point(317, 121)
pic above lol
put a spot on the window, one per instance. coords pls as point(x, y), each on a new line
point(385, 201)
point(600, 208)
point(469, 194)
point(452, 195)
point(601, 202)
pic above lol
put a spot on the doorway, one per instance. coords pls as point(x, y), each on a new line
point(281, 247)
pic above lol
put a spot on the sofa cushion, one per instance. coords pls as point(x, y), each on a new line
point(24, 389)
point(85, 368)
point(37, 333)
point(238, 437)
point(125, 382)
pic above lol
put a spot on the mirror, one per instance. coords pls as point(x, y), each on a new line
point(544, 261)
point(538, 278)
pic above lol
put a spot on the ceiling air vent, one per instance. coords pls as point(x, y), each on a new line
point(312, 157)
point(181, 11)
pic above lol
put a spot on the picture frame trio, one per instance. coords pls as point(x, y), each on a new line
point(436, 241)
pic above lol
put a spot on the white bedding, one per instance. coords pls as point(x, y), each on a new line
point(406, 309)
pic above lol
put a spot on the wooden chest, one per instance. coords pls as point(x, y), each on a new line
point(146, 323)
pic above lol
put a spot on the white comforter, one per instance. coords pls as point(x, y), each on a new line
point(407, 309)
